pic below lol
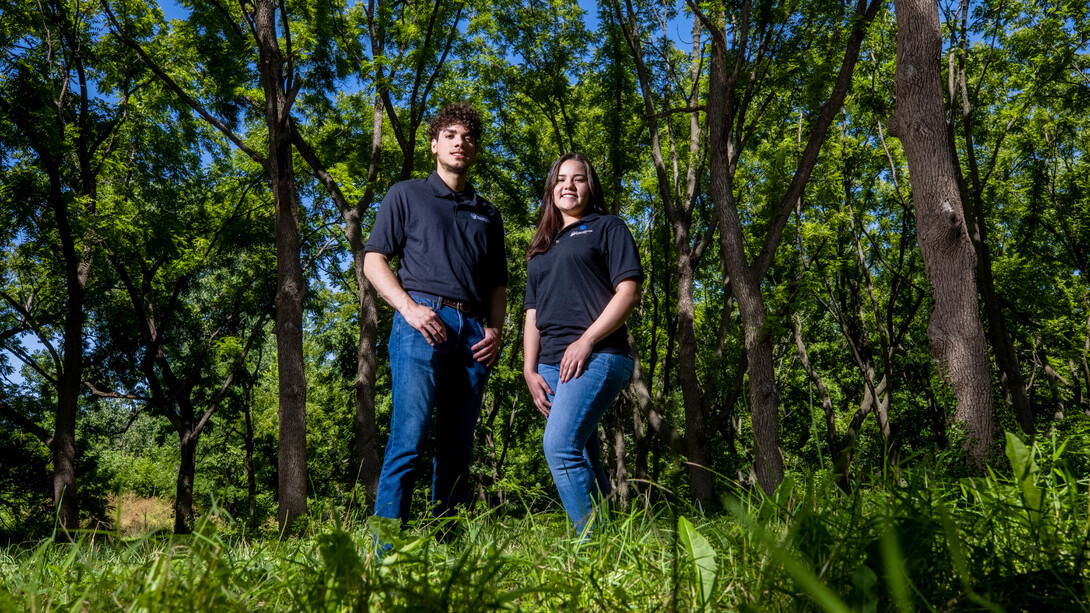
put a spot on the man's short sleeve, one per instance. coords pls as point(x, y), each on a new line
point(498, 254)
point(388, 232)
point(623, 257)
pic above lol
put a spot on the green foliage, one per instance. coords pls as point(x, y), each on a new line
point(25, 488)
point(924, 543)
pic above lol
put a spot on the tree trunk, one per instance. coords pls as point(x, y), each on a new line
point(290, 284)
point(620, 467)
point(365, 435)
point(365, 444)
point(187, 469)
point(701, 478)
point(63, 451)
point(70, 378)
point(763, 399)
point(955, 331)
point(1010, 370)
point(291, 287)
point(764, 411)
point(248, 444)
point(678, 195)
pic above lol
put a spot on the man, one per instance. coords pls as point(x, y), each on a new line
point(450, 297)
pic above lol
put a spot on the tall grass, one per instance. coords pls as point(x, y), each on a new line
point(1013, 542)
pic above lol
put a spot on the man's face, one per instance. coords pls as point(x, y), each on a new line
point(455, 149)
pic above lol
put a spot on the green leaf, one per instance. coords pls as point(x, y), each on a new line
point(1021, 458)
point(386, 530)
point(704, 566)
point(1025, 475)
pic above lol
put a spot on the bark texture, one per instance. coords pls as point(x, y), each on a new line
point(955, 331)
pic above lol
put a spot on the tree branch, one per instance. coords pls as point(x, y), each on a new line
point(101, 394)
point(20, 420)
point(118, 32)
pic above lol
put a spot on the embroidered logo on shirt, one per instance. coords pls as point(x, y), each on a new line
point(582, 230)
point(478, 217)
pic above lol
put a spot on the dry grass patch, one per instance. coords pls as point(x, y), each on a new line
point(138, 515)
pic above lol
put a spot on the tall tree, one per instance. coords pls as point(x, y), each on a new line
point(955, 331)
point(63, 95)
point(280, 82)
point(744, 50)
point(191, 295)
point(991, 48)
point(971, 193)
point(678, 193)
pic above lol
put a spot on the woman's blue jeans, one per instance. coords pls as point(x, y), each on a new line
point(571, 431)
point(447, 379)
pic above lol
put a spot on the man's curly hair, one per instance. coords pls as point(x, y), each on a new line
point(456, 113)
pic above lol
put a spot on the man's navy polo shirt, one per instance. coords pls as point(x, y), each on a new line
point(450, 243)
point(570, 284)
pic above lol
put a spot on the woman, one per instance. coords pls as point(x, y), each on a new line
point(583, 280)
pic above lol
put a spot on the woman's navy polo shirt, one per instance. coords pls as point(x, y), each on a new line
point(570, 284)
point(450, 243)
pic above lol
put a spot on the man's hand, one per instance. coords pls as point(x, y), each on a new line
point(488, 349)
point(575, 360)
point(425, 321)
point(539, 391)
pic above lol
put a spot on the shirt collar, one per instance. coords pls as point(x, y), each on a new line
point(443, 191)
point(584, 220)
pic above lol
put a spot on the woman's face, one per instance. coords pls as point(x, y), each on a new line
point(571, 194)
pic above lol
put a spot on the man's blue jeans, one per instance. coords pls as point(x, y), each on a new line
point(447, 379)
point(571, 431)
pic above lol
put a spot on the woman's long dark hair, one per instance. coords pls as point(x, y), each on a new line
point(551, 220)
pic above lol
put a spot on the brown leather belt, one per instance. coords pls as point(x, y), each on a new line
point(463, 307)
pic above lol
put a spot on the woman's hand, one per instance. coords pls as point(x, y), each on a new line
point(539, 391)
point(575, 360)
